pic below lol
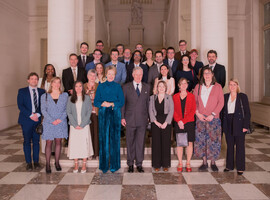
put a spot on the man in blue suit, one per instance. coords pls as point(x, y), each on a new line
point(121, 73)
point(170, 61)
point(28, 101)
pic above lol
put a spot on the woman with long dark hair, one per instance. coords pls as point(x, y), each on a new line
point(48, 74)
point(79, 110)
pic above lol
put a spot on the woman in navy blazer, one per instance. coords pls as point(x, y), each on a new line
point(236, 121)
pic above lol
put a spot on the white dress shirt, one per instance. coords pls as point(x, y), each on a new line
point(32, 99)
point(212, 66)
point(205, 92)
point(139, 86)
point(76, 70)
point(231, 105)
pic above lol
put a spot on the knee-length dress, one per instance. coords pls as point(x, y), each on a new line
point(80, 143)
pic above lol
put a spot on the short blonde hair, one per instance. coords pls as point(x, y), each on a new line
point(237, 82)
point(54, 79)
point(111, 67)
point(164, 83)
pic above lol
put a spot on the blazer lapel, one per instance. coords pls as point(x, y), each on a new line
point(133, 91)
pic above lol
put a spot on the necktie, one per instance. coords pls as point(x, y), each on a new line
point(137, 90)
point(126, 64)
point(83, 61)
point(35, 99)
point(74, 74)
point(170, 63)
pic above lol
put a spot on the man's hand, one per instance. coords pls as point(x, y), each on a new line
point(123, 122)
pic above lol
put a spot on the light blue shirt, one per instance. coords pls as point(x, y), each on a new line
point(121, 74)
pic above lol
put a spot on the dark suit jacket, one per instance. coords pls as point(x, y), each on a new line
point(220, 74)
point(25, 105)
point(174, 66)
point(239, 121)
point(130, 69)
point(80, 64)
point(177, 55)
point(104, 59)
point(135, 109)
point(67, 77)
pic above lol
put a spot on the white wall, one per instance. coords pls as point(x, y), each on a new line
point(14, 51)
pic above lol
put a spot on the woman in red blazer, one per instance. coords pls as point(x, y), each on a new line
point(184, 111)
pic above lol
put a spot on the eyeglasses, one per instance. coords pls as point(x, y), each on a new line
point(207, 73)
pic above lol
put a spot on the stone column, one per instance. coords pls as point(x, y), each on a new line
point(79, 22)
point(193, 24)
point(214, 30)
point(61, 33)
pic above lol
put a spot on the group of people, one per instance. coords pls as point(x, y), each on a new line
point(104, 93)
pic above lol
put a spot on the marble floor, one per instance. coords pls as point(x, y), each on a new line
point(17, 183)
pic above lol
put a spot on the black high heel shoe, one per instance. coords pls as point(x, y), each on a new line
point(48, 169)
point(58, 167)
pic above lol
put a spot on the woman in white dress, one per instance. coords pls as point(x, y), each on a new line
point(79, 110)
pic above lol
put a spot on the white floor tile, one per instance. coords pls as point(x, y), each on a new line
point(252, 151)
point(18, 177)
point(138, 179)
point(257, 177)
point(173, 192)
point(264, 140)
point(77, 179)
point(258, 145)
point(2, 157)
point(199, 178)
point(36, 192)
point(243, 191)
point(102, 192)
point(20, 152)
point(7, 141)
point(9, 166)
point(14, 146)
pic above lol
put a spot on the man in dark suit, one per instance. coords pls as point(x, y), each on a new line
point(127, 57)
point(136, 57)
point(139, 47)
point(135, 118)
point(105, 57)
point(219, 70)
point(72, 74)
point(182, 50)
point(83, 59)
point(28, 101)
point(170, 61)
point(154, 71)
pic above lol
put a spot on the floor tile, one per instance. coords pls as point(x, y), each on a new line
point(199, 178)
point(107, 179)
point(265, 151)
point(102, 192)
point(18, 178)
point(173, 192)
point(258, 145)
point(7, 191)
point(22, 168)
point(265, 188)
point(44, 178)
point(15, 158)
point(77, 179)
point(243, 191)
point(2, 157)
point(264, 165)
point(9, 166)
point(252, 140)
point(70, 192)
point(35, 192)
point(9, 151)
point(257, 177)
point(64, 169)
point(251, 166)
point(258, 158)
point(20, 152)
point(260, 136)
point(168, 178)
point(7, 141)
point(142, 192)
point(208, 192)
point(138, 179)
point(264, 140)
point(252, 151)
point(229, 177)
point(2, 174)
point(3, 137)
point(14, 146)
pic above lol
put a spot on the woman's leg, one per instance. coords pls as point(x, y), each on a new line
point(84, 164)
point(58, 146)
point(48, 151)
point(240, 152)
point(189, 150)
point(166, 147)
point(156, 145)
point(230, 151)
point(180, 155)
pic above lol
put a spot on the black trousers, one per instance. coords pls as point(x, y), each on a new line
point(161, 146)
point(236, 143)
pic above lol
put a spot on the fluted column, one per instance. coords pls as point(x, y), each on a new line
point(79, 22)
point(61, 32)
point(214, 30)
point(193, 24)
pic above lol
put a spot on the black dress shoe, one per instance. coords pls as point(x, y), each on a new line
point(140, 169)
point(214, 167)
point(37, 166)
point(58, 167)
point(226, 170)
point(203, 167)
point(130, 169)
point(240, 172)
point(48, 169)
point(29, 167)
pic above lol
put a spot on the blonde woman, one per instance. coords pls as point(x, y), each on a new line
point(53, 108)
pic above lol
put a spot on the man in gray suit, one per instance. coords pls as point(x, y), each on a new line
point(154, 71)
point(135, 118)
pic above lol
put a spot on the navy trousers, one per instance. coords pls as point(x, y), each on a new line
point(109, 138)
point(30, 136)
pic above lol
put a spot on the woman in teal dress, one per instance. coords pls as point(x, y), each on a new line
point(109, 99)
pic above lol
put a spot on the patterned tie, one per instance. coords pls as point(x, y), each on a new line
point(74, 74)
point(137, 90)
point(35, 99)
point(170, 63)
point(83, 61)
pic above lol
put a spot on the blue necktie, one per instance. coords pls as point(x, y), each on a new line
point(35, 99)
point(137, 90)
